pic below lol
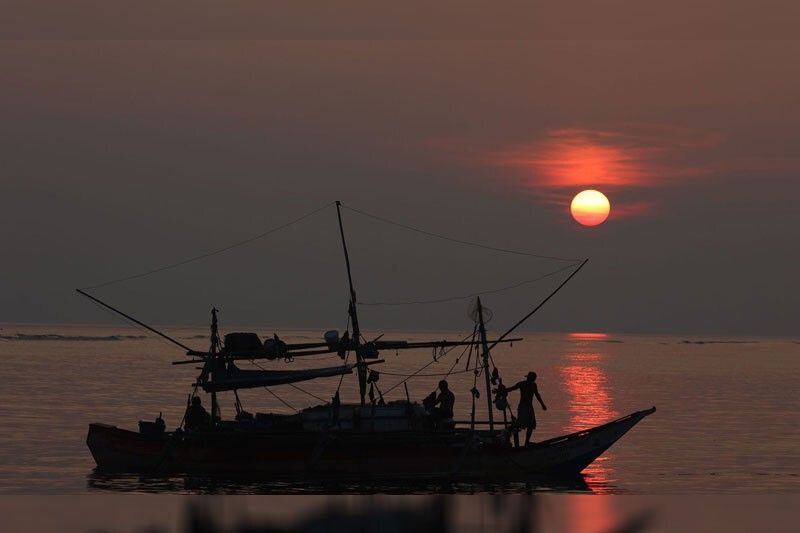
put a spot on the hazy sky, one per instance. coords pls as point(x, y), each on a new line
point(411, 19)
point(118, 157)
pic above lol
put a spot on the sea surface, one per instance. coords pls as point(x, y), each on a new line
point(727, 419)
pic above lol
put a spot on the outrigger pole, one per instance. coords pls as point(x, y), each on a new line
point(206, 360)
point(526, 317)
point(487, 349)
point(139, 322)
point(356, 338)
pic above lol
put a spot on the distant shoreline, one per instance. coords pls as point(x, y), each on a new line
point(27, 332)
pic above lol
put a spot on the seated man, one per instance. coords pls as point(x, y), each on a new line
point(445, 402)
point(196, 415)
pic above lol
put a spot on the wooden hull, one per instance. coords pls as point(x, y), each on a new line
point(343, 455)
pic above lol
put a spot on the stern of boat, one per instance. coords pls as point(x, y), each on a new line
point(121, 450)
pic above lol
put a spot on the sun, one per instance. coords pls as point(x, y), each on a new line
point(590, 207)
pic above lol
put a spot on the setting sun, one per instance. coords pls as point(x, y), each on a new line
point(590, 207)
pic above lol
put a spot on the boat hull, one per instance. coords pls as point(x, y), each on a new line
point(353, 455)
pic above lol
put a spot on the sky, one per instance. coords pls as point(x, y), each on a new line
point(412, 19)
point(122, 156)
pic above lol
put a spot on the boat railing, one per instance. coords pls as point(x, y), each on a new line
point(581, 433)
point(588, 431)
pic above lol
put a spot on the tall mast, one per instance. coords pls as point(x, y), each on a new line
point(485, 344)
point(215, 345)
point(352, 310)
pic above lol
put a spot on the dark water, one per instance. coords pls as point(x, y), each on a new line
point(516, 513)
point(728, 419)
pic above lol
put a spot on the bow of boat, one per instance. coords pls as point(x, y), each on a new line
point(570, 454)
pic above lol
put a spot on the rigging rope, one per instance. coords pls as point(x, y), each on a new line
point(346, 357)
point(458, 241)
point(423, 367)
point(481, 293)
point(339, 386)
point(282, 400)
point(290, 384)
point(467, 347)
point(432, 375)
point(211, 253)
point(445, 374)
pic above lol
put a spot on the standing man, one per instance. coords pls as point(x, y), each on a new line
point(526, 418)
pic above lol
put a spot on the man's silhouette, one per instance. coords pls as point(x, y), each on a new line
point(526, 418)
point(445, 402)
point(196, 415)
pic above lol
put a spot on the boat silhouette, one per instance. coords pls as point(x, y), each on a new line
point(372, 441)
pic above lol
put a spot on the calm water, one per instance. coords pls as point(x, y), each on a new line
point(728, 419)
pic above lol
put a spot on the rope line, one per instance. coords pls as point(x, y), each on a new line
point(458, 241)
point(341, 378)
point(467, 347)
point(284, 402)
point(423, 367)
point(346, 356)
point(436, 374)
point(211, 253)
point(467, 296)
point(292, 385)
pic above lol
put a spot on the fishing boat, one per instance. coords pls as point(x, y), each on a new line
point(373, 439)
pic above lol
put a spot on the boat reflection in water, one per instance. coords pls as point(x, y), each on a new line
point(378, 514)
point(135, 483)
point(589, 401)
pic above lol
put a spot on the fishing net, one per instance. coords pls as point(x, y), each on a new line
point(472, 311)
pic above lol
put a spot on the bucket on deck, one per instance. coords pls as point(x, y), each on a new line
point(152, 428)
point(332, 338)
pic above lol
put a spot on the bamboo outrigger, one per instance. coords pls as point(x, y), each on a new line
point(370, 440)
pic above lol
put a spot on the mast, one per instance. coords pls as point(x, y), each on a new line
point(353, 312)
point(215, 344)
point(485, 344)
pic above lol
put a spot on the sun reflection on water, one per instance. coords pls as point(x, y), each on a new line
point(586, 336)
point(590, 404)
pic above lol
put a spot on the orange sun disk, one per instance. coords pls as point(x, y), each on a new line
point(590, 207)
